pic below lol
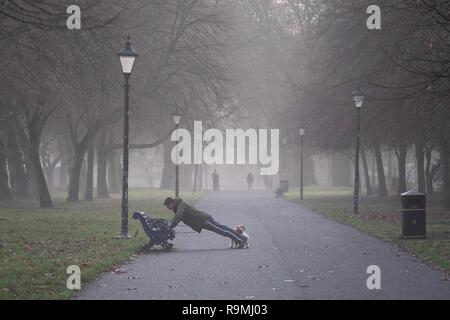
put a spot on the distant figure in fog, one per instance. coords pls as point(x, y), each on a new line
point(250, 180)
point(215, 179)
point(281, 190)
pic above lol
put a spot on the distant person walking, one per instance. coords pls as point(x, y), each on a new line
point(215, 179)
point(250, 180)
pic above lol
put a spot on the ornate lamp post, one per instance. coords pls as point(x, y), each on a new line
point(358, 98)
point(177, 120)
point(127, 57)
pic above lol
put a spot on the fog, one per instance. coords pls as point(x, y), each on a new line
point(251, 65)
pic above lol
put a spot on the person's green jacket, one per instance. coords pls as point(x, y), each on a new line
point(189, 215)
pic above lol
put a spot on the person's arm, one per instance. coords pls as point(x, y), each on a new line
point(176, 220)
point(178, 214)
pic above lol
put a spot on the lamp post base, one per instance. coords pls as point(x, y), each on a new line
point(123, 236)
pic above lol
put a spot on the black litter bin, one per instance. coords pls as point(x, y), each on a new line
point(413, 215)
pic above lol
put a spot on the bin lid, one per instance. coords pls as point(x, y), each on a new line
point(412, 193)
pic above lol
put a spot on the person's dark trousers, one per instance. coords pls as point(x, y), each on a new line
point(213, 226)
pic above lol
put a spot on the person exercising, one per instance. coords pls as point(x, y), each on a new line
point(199, 220)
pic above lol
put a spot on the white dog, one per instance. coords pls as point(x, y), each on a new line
point(240, 228)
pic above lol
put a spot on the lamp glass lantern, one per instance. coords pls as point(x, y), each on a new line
point(127, 57)
point(358, 97)
point(301, 131)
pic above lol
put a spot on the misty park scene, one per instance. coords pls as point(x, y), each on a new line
point(233, 150)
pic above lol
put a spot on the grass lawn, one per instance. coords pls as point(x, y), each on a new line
point(381, 217)
point(37, 245)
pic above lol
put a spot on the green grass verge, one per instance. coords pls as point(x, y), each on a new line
point(37, 245)
point(381, 217)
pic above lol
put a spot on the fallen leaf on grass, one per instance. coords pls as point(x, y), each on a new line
point(118, 271)
point(9, 289)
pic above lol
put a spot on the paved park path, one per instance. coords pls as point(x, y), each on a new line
point(294, 254)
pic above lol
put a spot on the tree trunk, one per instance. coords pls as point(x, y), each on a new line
point(25, 146)
point(5, 191)
point(168, 172)
point(366, 172)
point(49, 174)
point(64, 164)
point(113, 173)
point(63, 173)
point(45, 199)
point(16, 164)
point(428, 174)
point(390, 169)
point(373, 171)
point(102, 186)
point(75, 172)
point(89, 191)
point(445, 163)
point(382, 189)
point(401, 159)
point(420, 162)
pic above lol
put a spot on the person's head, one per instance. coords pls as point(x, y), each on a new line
point(170, 204)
